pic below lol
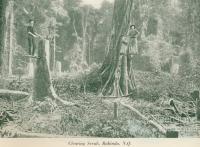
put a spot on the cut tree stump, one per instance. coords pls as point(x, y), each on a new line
point(30, 69)
point(161, 129)
point(30, 65)
point(58, 68)
point(171, 134)
point(42, 84)
point(195, 96)
point(12, 94)
point(115, 110)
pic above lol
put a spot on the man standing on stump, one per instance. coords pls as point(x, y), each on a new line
point(31, 38)
point(132, 39)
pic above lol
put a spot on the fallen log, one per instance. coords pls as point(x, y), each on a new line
point(20, 134)
point(106, 97)
point(12, 94)
point(160, 128)
point(156, 125)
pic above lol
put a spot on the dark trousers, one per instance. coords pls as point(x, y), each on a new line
point(31, 45)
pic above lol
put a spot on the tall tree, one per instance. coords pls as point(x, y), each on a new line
point(3, 4)
point(9, 38)
point(116, 71)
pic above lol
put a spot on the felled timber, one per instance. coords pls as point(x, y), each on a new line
point(12, 94)
point(161, 129)
point(20, 134)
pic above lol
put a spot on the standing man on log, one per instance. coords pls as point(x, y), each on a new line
point(132, 36)
point(31, 38)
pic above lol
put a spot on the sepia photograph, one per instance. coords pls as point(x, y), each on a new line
point(99, 69)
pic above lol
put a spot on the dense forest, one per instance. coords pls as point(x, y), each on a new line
point(128, 68)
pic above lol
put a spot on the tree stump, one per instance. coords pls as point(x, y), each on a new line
point(172, 134)
point(58, 68)
point(174, 70)
point(30, 69)
point(115, 110)
point(196, 94)
point(47, 51)
point(41, 81)
point(42, 85)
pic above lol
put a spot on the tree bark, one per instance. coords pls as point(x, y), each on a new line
point(53, 51)
point(84, 28)
point(8, 40)
point(116, 70)
point(3, 4)
point(42, 85)
point(41, 82)
point(10, 58)
point(92, 38)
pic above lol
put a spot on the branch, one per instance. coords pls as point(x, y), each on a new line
point(160, 128)
point(12, 94)
point(19, 134)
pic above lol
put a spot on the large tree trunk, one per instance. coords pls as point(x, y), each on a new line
point(53, 52)
point(3, 4)
point(92, 38)
point(116, 71)
point(8, 40)
point(84, 28)
point(42, 85)
point(41, 82)
point(11, 30)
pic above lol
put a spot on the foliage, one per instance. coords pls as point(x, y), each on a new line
point(66, 85)
point(157, 49)
point(61, 85)
point(46, 106)
point(153, 86)
point(69, 120)
point(186, 64)
point(56, 17)
point(107, 128)
point(21, 85)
